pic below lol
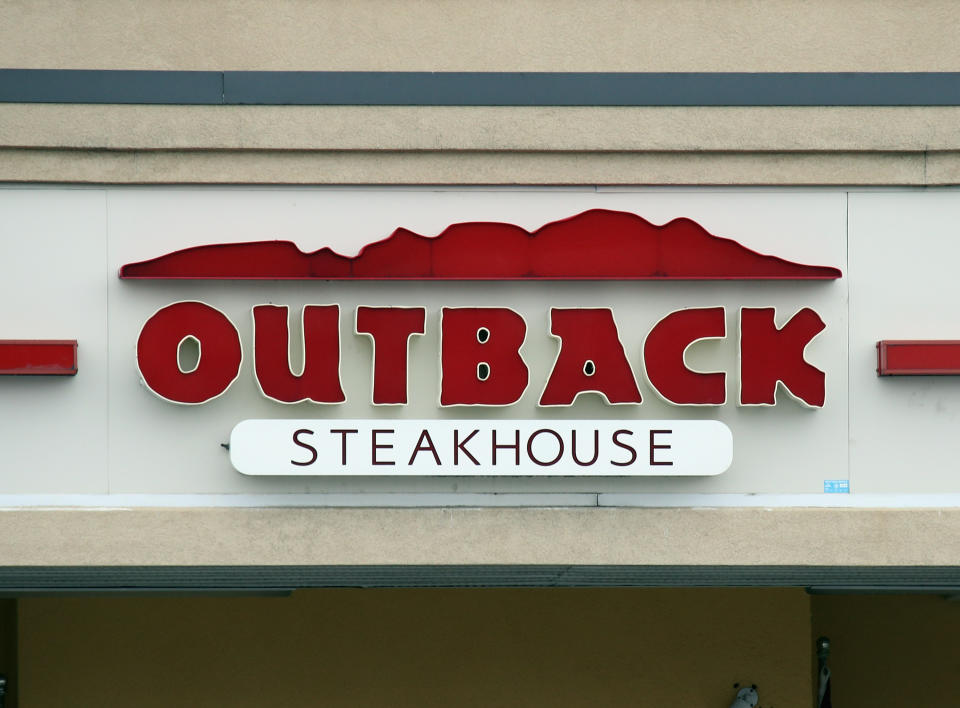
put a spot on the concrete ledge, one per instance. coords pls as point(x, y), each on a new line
point(474, 168)
point(597, 536)
point(438, 35)
point(365, 128)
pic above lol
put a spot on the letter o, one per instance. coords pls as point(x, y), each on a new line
point(530, 440)
point(159, 344)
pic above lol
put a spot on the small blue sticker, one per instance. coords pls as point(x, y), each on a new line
point(836, 486)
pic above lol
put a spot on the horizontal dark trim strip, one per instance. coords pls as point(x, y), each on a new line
point(89, 86)
point(418, 88)
point(112, 579)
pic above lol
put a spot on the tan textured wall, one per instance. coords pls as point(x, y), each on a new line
point(891, 650)
point(482, 128)
point(578, 536)
point(478, 168)
point(397, 648)
point(478, 145)
point(486, 145)
point(497, 35)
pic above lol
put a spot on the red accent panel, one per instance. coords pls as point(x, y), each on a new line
point(769, 355)
point(320, 380)
point(464, 352)
point(918, 357)
point(591, 358)
point(597, 244)
point(663, 357)
point(33, 357)
point(159, 344)
point(390, 328)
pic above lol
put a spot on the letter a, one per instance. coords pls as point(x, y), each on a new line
point(591, 358)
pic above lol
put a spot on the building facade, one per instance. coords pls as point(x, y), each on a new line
point(155, 551)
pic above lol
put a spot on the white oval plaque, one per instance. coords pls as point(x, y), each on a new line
point(542, 448)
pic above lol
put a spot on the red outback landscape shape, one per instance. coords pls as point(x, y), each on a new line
point(598, 244)
point(480, 358)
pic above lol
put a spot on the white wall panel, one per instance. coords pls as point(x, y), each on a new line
point(904, 284)
point(156, 447)
point(53, 285)
point(786, 449)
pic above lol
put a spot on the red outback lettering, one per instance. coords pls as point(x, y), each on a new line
point(480, 360)
point(319, 382)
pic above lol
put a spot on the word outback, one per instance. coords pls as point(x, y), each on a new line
point(490, 448)
point(480, 360)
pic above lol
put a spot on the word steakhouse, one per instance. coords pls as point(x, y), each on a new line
point(471, 447)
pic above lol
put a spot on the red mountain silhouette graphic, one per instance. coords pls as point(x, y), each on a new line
point(596, 245)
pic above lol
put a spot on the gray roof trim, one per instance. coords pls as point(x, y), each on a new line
point(422, 88)
point(16, 580)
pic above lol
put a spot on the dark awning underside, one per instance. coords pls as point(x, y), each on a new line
point(280, 579)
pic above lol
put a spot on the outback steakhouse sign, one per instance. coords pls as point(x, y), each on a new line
point(480, 359)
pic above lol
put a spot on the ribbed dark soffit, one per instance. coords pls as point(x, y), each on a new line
point(423, 88)
point(110, 579)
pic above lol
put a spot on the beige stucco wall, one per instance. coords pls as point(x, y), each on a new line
point(478, 168)
point(913, 146)
point(498, 35)
point(397, 648)
point(481, 145)
point(601, 129)
point(480, 536)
